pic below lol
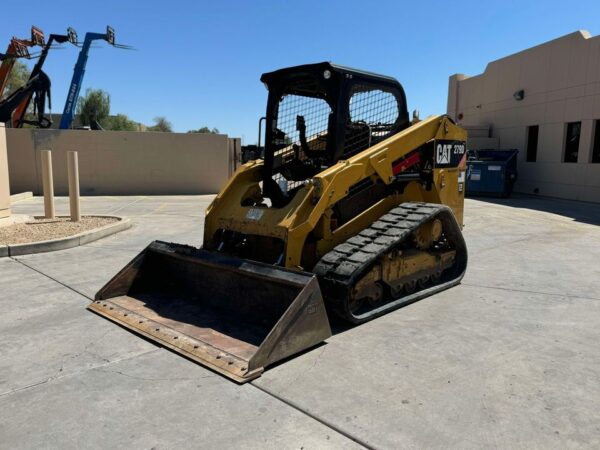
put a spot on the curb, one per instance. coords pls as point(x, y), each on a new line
point(66, 242)
point(21, 196)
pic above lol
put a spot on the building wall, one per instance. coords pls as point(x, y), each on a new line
point(4, 183)
point(123, 163)
point(561, 83)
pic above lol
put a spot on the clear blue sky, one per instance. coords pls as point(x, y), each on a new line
point(199, 62)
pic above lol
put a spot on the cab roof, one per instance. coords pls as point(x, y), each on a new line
point(270, 77)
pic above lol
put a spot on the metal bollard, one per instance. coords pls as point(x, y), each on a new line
point(48, 184)
point(73, 171)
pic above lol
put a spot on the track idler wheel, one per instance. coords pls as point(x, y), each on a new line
point(428, 233)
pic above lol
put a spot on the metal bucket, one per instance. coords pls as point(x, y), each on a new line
point(234, 316)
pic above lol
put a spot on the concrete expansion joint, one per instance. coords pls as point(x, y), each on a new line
point(51, 278)
point(128, 204)
point(72, 374)
point(313, 416)
point(135, 377)
point(525, 291)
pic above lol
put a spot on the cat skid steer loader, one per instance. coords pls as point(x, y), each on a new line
point(354, 211)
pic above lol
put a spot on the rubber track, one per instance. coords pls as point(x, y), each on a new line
point(339, 269)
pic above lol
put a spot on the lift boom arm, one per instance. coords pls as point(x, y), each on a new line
point(17, 48)
point(18, 116)
point(78, 74)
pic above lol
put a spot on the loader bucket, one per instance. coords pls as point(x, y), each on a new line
point(234, 316)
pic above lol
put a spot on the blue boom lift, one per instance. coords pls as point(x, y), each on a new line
point(79, 71)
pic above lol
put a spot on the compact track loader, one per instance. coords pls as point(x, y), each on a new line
point(354, 211)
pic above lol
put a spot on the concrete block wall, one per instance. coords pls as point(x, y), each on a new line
point(123, 163)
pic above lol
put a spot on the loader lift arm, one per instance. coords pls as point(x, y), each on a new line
point(404, 160)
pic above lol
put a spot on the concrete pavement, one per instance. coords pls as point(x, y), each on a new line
point(507, 359)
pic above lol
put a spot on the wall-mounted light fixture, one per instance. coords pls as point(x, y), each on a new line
point(519, 95)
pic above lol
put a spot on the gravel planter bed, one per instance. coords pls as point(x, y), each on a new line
point(47, 235)
point(42, 229)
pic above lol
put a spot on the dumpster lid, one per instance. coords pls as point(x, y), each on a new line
point(492, 155)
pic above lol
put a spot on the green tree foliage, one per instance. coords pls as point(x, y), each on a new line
point(17, 78)
point(94, 106)
point(121, 122)
point(161, 124)
point(205, 130)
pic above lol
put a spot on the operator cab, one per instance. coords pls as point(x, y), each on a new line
point(318, 114)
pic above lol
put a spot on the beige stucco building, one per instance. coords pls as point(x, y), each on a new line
point(544, 101)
